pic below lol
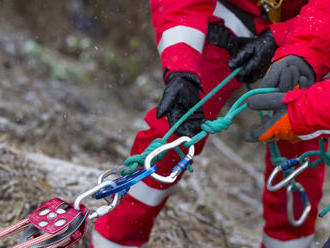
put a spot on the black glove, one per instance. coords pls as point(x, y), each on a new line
point(255, 57)
point(220, 36)
point(286, 73)
point(180, 94)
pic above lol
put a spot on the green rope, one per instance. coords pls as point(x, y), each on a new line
point(324, 211)
point(215, 126)
point(136, 161)
point(211, 127)
point(276, 158)
point(324, 156)
point(201, 102)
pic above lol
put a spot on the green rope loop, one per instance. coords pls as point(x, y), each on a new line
point(136, 161)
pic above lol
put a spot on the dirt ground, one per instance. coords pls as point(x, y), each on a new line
point(76, 94)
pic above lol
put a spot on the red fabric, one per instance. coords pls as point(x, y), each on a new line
point(310, 37)
point(131, 222)
point(190, 13)
point(195, 14)
point(281, 30)
point(288, 10)
point(309, 109)
point(181, 57)
point(274, 203)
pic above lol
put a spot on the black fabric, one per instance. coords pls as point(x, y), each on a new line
point(180, 94)
point(255, 57)
point(269, 101)
point(220, 36)
point(286, 73)
point(244, 16)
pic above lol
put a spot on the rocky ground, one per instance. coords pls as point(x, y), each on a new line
point(71, 101)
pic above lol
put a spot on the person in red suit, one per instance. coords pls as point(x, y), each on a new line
point(197, 40)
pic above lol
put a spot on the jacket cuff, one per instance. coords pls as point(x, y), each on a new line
point(294, 114)
point(181, 58)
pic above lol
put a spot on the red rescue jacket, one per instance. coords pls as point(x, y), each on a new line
point(181, 28)
point(309, 110)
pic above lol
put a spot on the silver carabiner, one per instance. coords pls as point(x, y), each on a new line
point(304, 199)
point(112, 173)
point(286, 180)
point(173, 176)
point(101, 210)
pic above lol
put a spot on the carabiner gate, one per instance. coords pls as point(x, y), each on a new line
point(177, 169)
point(304, 199)
point(286, 180)
point(101, 210)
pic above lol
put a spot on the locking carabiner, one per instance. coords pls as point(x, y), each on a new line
point(285, 166)
point(178, 168)
point(103, 209)
point(305, 201)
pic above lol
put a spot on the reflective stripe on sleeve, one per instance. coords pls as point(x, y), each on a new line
point(314, 135)
point(303, 242)
point(147, 195)
point(232, 21)
point(190, 36)
point(100, 242)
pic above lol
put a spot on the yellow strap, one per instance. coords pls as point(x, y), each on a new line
point(273, 8)
point(274, 15)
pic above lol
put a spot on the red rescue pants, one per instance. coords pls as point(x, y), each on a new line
point(130, 224)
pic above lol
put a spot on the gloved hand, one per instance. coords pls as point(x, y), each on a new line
point(255, 57)
point(277, 127)
point(220, 36)
point(180, 94)
point(287, 73)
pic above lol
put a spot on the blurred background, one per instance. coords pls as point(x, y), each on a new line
point(76, 78)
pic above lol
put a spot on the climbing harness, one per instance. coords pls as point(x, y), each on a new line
point(271, 4)
point(57, 223)
point(272, 8)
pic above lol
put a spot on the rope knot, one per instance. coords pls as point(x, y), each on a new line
point(135, 161)
point(217, 125)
